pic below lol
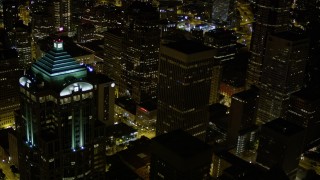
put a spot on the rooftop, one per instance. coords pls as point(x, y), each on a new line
point(93, 46)
point(247, 94)
point(127, 104)
point(221, 33)
point(309, 94)
point(188, 46)
point(283, 127)
point(181, 143)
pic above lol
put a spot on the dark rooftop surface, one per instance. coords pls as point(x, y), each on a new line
point(221, 33)
point(310, 94)
point(138, 153)
point(188, 46)
point(94, 46)
point(119, 170)
point(283, 127)
point(99, 78)
point(182, 143)
point(127, 104)
point(247, 94)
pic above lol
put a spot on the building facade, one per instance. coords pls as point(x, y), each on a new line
point(113, 57)
point(304, 110)
point(141, 51)
point(62, 16)
point(224, 41)
point(10, 14)
point(185, 74)
point(280, 145)
point(242, 115)
point(60, 125)
point(270, 16)
point(10, 71)
point(283, 73)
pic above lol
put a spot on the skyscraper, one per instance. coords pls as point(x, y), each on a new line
point(185, 72)
point(113, 57)
point(224, 41)
point(62, 15)
point(304, 110)
point(22, 42)
point(9, 89)
point(64, 109)
point(10, 14)
point(270, 16)
point(242, 114)
point(42, 18)
point(280, 145)
point(141, 50)
point(283, 73)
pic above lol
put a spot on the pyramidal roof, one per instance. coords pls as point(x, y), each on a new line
point(57, 65)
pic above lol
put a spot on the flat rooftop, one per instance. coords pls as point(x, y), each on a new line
point(283, 127)
point(188, 46)
point(181, 143)
point(247, 94)
point(309, 94)
point(127, 104)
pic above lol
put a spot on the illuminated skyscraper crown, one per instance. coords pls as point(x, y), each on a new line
point(57, 65)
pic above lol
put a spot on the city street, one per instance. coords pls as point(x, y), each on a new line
point(7, 171)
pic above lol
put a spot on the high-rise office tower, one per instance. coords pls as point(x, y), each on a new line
point(185, 73)
point(10, 14)
point(22, 42)
point(178, 155)
point(37, 6)
point(113, 52)
point(242, 114)
point(224, 41)
point(62, 16)
point(9, 89)
point(85, 33)
point(280, 145)
point(283, 73)
point(60, 126)
point(42, 18)
point(270, 16)
point(312, 17)
point(141, 50)
point(304, 110)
